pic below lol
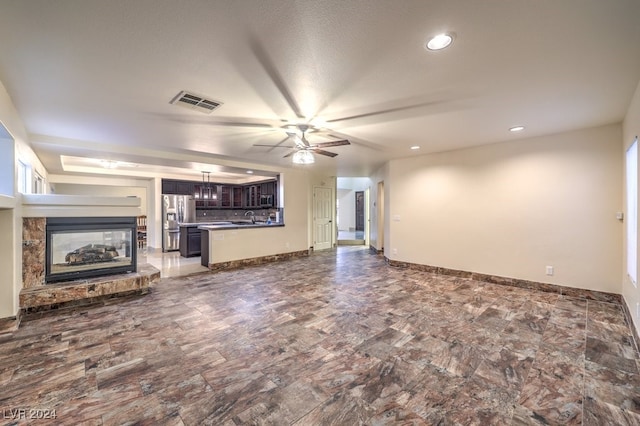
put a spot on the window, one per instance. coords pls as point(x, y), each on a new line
point(632, 211)
point(38, 183)
point(23, 177)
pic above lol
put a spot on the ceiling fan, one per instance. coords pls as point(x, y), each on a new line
point(303, 150)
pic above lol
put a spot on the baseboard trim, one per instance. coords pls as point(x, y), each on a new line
point(628, 318)
point(236, 264)
point(374, 250)
point(10, 324)
point(580, 293)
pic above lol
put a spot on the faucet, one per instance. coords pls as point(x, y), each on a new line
point(253, 216)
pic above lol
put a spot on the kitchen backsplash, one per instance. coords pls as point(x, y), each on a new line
point(203, 215)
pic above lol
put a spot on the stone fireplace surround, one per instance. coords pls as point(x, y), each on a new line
point(37, 296)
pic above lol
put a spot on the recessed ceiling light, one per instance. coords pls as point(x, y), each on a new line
point(516, 129)
point(440, 41)
point(250, 172)
point(415, 147)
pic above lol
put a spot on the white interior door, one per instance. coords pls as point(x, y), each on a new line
point(322, 218)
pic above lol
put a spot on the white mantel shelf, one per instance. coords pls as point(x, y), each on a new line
point(7, 202)
point(54, 205)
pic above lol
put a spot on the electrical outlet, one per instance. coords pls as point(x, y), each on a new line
point(394, 251)
point(286, 245)
point(549, 270)
point(638, 310)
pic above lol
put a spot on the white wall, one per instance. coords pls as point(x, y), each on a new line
point(510, 209)
point(346, 209)
point(148, 190)
point(105, 191)
point(347, 188)
point(631, 129)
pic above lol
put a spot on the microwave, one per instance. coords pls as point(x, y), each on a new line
point(266, 200)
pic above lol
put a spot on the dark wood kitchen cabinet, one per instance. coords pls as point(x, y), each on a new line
point(268, 193)
point(184, 187)
point(169, 187)
point(204, 248)
point(189, 241)
point(237, 197)
point(177, 187)
point(226, 196)
point(252, 196)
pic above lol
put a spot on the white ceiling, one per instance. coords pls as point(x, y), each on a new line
point(93, 79)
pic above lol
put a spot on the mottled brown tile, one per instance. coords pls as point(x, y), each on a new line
point(598, 413)
point(505, 369)
point(612, 386)
point(337, 337)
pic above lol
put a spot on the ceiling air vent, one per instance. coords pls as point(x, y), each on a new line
point(195, 102)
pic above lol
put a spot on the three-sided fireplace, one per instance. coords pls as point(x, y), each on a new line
point(89, 246)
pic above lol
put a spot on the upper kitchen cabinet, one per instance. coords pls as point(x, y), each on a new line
point(207, 195)
point(261, 195)
point(268, 192)
point(236, 198)
point(177, 187)
point(184, 187)
point(224, 196)
point(230, 196)
point(252, 196)
point(169, 187)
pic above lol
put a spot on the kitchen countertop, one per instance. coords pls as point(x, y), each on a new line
point(213, 222)
point(230, 225)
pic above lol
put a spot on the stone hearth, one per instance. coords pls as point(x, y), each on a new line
point(37, 296)
point(88, 290)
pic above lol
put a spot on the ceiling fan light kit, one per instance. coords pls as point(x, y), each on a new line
point(303, 157)
point(303, 150)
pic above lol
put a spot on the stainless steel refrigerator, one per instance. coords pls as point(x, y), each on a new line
point(176, 209)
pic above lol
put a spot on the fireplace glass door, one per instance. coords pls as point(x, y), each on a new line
point(86, 247)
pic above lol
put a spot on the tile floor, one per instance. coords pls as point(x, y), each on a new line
point(350, 235)
point(171, 264)
point(337, 338)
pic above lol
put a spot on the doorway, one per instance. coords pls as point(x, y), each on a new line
point(359, 219)
point(379, 243)
point(353, 213)
point(322, 218)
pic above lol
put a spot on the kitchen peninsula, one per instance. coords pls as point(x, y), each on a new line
point(230, 246)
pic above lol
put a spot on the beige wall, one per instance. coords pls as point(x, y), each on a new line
point(11, 218)
point(510, 209)
point(105, 191)
point(631, 130)
point(377, 210)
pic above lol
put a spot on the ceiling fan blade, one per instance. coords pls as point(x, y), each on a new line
point(273, 146)
point(297, 140)
point(322, 152)
point(290, 154)
point(332, 143)
point(267, 64)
